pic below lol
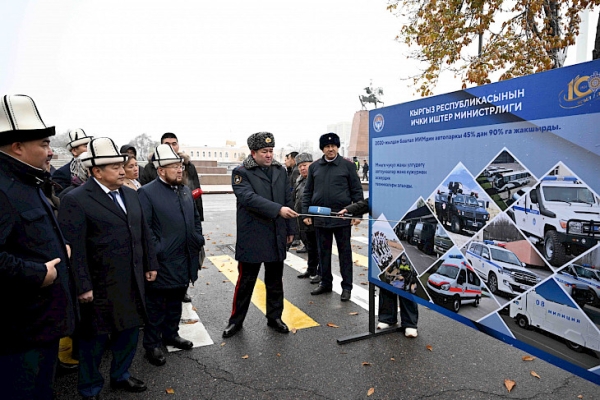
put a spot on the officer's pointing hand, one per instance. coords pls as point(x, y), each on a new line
point(287, 212)
point(51, 274)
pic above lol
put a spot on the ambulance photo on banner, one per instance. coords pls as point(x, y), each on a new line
point(491, 196)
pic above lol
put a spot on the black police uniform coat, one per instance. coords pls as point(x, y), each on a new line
point(176, 232)
point(30, 237)
point(261, 232)
point(110, 253)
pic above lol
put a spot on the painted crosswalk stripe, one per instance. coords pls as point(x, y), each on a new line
point(292, 315)
point(360, 295)
point(191, 328)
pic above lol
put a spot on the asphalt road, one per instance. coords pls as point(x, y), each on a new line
point(448, 360)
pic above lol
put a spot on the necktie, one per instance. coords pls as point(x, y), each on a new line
point(113, 194)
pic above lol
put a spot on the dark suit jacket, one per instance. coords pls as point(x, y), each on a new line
point(62, 176)
point(110, 253)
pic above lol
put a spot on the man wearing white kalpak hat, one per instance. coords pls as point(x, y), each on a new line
point(174, 221)
point(35, 279)
point(264, 226)
point(78, 142)
point(112, 256)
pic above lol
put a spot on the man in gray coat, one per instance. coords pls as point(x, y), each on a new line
point(264, 227)
point(170, 212)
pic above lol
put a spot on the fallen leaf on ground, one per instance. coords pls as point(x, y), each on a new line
point(332, 325)
point(203, 267)
point(225, 281)
point(229, 234)
point(353, 313)
point(429, 347)
point(509, 384)
point(278, 355)
point(246, 356)
point(214, 242)
point(361, 274)
point(392, 359)
point(194, 308)
point(311, 302)
point(223, 344)
point(208, 283)
point(580, 397)
point(533, 373)
point(170, 391)
point(294, 330)
point(364, 283)
point(191, 322)
point(365, 363)
point(370, 392)
point(528, 358)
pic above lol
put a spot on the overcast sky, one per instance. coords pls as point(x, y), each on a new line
point(207, 70)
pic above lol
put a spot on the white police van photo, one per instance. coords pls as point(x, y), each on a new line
point(560, 214)
point(500, 268)
point(454, 283)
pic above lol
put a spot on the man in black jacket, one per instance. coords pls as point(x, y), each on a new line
point(176, 229)
point(332, 182)
point(113, 255)
point(78, 141)
point(264, 227)
point(35, 280)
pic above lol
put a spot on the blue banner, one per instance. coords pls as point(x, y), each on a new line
point(486, 209)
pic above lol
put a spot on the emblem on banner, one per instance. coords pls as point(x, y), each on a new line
point(580, 90)
point(378, 123)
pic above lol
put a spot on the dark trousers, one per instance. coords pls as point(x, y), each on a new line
point(163, 307)
point(309, 238)
point(122, 345)
point(388, 309)
point(244, 287)
point(325, 242)
point(30, 373)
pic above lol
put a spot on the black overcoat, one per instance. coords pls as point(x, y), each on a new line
point(334, 185)
point(261, 232)
point(176, 232)
point(31, 316)
point(110, 253)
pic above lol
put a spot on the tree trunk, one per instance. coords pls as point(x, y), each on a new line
point(596, 52)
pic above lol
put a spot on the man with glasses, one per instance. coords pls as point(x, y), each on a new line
point(169, 210)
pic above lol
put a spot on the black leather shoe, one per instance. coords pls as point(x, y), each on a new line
point(187, 298)
point(231, 330)
point(278, 325)
point(302, 250)
point(315, 279)
point(304, 275)
point(179, 342)
point(320, 290)
point(345, 295)
point(156, 356)
point(129, 385)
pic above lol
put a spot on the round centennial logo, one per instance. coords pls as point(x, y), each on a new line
point(378, 123)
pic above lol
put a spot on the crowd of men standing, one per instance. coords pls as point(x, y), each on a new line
point(114, 254)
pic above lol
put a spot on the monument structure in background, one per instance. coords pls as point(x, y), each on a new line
point(359, 136)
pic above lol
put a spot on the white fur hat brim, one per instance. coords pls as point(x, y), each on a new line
point(102, 151)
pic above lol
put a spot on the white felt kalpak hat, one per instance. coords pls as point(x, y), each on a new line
point(78, 137)
point(20, 120)
point(165, 155)
point(102, 151)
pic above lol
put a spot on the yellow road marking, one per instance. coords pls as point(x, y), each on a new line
point(361, 260)
point(292, 315)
